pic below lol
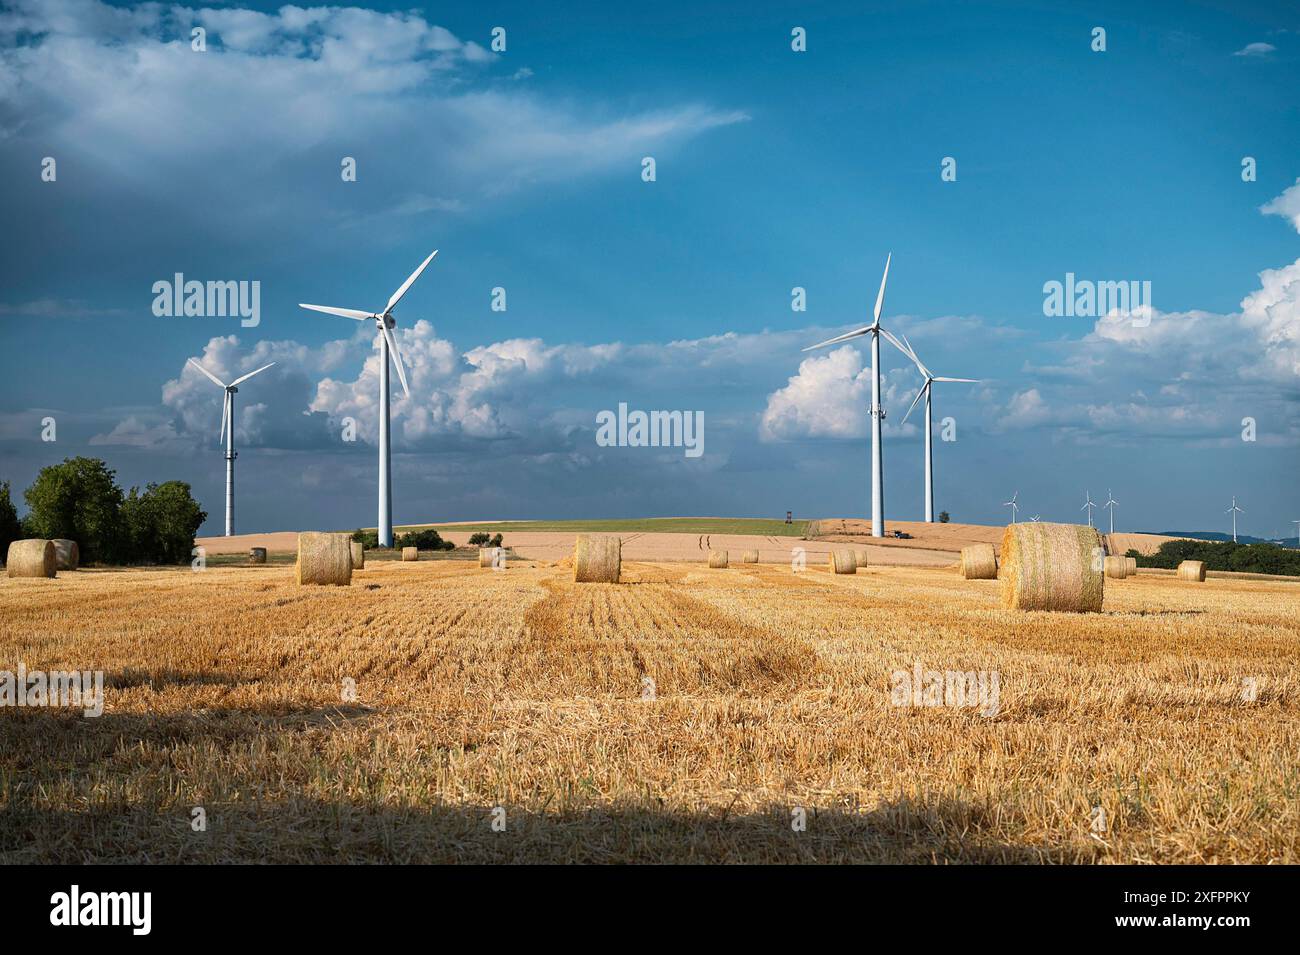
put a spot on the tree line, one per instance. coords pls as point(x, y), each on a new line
point(1225, 555)
point(79, 499)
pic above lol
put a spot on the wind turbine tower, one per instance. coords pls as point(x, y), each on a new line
point(926, 390)
point(1088, 505)
point(1110, 505)
point(228, 434)
point(384, 325)
point(877, 412)
point(1234, 511)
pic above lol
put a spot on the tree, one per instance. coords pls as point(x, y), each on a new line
point(11, 529)
point(161, 523)
point(427, 539)
point(79, 500)
point(943, 517)
point(484, 539)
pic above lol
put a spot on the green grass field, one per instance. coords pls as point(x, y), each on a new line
point(663, 525)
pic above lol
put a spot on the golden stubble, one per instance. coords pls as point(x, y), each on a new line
point(678, 716)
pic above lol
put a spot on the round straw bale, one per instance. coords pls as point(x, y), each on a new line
point(1132, 565)
point(358, 554)
point(31, 558)
point(486, 555)
point(324, 558)
point(257, 555)
point(749, 557)
point(718, 559)
point(860, 556)
point(843, 562)
point(67, 556)
point(1192, 570)
point(597, 558)
point(1051, 567)
point(1116, 567)
point(979, 562)
point(410, 553)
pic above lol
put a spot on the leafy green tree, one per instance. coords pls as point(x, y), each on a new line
point(161, 523)
point(80, 500)
point(11, 529)
point(368, 539)
point(428, 539)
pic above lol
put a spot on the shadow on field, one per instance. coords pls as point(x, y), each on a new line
point(44, 746)
point(325, 832)
point(160, 679)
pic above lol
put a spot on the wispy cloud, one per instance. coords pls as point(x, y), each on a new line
point(1256, 50)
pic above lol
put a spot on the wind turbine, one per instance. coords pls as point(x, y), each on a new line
point(1234, 511)
point(1013, 505)
point(1036, 518)
point(228, 434)
point(1110, 505)
point(1088, 505)
point(877, 413)
point(926, 390)
point(1297, 532)
point(385, 324)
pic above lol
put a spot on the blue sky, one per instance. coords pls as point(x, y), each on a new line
point(775, 169)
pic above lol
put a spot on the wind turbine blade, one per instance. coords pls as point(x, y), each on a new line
point(359, 315)
point(915, 357)
point(905, 347)
point(250, 374)
point(940, 378)
point(397, 359)
point(215, 380)
point(840, 338)
point(880, 296)
point(915, 400)
point(225, 414)
point(397, 296)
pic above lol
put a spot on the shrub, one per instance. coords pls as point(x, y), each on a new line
point(79, 500)
point(428, 539)
point(1225, 555)
point(943, 517)
point(368, 539)
point(484, 539)
point(160, 524)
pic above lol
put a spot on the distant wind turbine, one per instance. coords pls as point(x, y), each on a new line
point(1013, 505)
point(384, 324)
point(1088, 505)
point(1110, 505)
point(926, 390)
point(1297, 532)
point(1234, 511)
point(1035, 519)
point(877, 413)
point(228, 434)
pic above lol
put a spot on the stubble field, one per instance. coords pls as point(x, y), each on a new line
point(684, 715)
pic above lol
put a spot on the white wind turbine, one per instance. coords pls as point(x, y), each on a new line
point(1088, 505)
point(385, 324)
point(926, 390)
point(877, 413)
point(1013, 505)
point(1234, 511)
point(1297, 532)
point(228, 434)
point(1110, 505)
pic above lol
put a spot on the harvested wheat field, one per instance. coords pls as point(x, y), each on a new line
point(681, 715)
